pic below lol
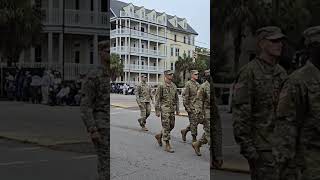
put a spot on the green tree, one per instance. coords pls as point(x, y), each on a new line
point(236, 16)
point(20, 24)
point(182, 66)
point(116, 66)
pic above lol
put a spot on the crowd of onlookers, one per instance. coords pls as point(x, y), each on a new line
point(45, 87)
point(122, 88)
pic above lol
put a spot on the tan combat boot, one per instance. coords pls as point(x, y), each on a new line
point(194, 138)
point(168, 147)
point(159, 139)
point(196, 146)
point(184, 134)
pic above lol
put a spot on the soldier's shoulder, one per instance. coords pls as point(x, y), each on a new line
point(249, 67)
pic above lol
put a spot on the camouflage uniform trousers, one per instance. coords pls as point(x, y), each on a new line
point(168, 123)
point(194, 121)
point(264, 167)
point(145, 110)
point(206, 135)
point(102, 149)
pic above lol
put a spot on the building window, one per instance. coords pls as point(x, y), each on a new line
point(184, 39)
point(177, 52)
point(114, 44)
point(77, 57)
point(184, 52)
point(142, 29)
point(172, 51)
point(37, 54)
point(142, 46)
point(175, 38)
point(91, 57)
point(172, 66)
point(122, 43)
point(189, 40)
point(77, 5)
point(154, 48)
point(189, 53)
point(91, 5)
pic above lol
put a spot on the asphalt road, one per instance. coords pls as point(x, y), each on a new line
point(22, 161)
point(223, 175)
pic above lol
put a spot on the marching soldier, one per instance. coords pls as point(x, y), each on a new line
point(190, 92)
point(202, 108)
point(143, 98)
point(95, 110)
point(256, 93)
point(167, 102)
point(297, 128)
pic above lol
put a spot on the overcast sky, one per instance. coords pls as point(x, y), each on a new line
point(197, 14)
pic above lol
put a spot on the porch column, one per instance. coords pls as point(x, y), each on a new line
point(32, 54)
point(96, 10)
point(50, 49)
point(95, 50)
point(50, 7)
point(61, 48)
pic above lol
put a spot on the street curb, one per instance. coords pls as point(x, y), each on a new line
point(128, 107)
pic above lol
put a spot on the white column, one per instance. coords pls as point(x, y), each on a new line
point(125, 42)
point(158, 48)
point(117, 42)
point(61, 11)
point(50, 47)
point(95, 49)
point(157, 32)
point(32, 57)
point(157, 64)
point(148, 77)
point(50, 7)
point(140, 46)
point(139, 28)
point(126, 23)
point(96, 10)
point(120, 25)
point(125, 76)
point(60, 47)
point(148, 63)
point(157, 78)
point(148, 46)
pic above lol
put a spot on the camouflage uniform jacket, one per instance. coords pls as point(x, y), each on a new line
point(167, 99)
point(143, 93)
point(256, 94)
point(190, 92)
point(95, 98)
point(297, 129)
point(202, 100)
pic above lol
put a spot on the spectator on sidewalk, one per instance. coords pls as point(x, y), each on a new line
point(36, 88)
point(26, 91)
point(62, 96)
point(45, 84)
point(9, 86)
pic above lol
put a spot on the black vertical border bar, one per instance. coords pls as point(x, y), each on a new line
point(109, 79)
point(211, 80)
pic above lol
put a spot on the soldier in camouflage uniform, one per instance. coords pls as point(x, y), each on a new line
point(95, 110)
point(167, 102)
point(143, 98)
point(297, 131)
point(255, 100)
point(190, 92)
point(202, 108)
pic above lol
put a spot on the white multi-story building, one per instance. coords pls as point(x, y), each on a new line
point(143, 38)
point(85, 24)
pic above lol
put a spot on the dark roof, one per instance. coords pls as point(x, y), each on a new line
point(116, 6)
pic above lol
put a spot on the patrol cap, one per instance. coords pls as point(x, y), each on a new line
point(168, 72)
point(312, 35)
point(143, 75)
point(194, 72)
point(269, 33)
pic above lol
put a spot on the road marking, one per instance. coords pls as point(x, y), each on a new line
point(27, 148)
point(85, 157)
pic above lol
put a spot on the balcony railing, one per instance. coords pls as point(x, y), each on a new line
point(146, 18)
point(75, 18)
point(126, 31)
point(143, 51)
point(144, 68)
